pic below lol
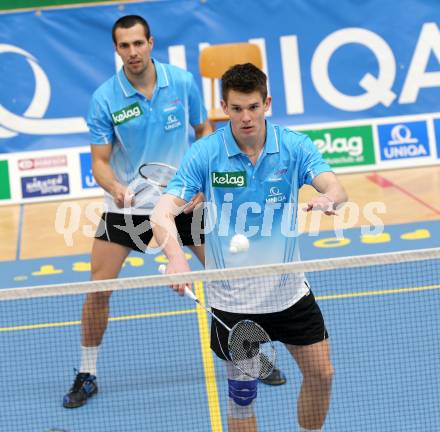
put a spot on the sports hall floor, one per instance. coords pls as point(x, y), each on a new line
point(156, 372)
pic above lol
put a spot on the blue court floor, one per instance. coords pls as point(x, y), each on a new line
point(156, 374)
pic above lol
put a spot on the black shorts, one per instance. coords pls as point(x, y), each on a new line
point(134, 231)
point(300, 324)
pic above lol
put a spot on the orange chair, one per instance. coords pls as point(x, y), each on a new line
point(215, 60)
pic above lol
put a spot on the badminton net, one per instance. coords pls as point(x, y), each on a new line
point(156, 371)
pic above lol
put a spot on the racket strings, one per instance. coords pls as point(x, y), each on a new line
point(251, 349)
point(157, 174)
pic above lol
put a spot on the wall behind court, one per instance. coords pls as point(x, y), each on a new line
point(366, 91)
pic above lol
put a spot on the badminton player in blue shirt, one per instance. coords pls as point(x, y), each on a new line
point(250, 172)
point(141, 115)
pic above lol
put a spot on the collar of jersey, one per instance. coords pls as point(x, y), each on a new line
point(129, 90)
point(271, 145)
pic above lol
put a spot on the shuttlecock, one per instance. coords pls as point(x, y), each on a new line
point(239, 243)
point(162, 268)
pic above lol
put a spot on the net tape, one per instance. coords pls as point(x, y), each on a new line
point(220, 274)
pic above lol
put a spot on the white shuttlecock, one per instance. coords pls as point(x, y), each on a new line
point(162, 268)
point(239, 243)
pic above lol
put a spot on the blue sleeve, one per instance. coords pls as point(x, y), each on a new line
point(99, 122)
point(191, 175)
point(197, 111)
point(311, 162)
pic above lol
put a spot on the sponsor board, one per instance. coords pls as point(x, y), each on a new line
point(45, 185)
point(437, 136)
point(345, 146)
point(5, 187)
point(42, 162)
point(403, 140)
point(87, 179)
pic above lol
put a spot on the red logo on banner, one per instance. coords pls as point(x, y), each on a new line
point(42, 162)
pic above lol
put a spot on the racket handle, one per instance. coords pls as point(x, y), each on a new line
point(163, 269)
point(190, 294)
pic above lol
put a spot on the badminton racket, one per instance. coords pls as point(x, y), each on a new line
point(250, 348)
point(156, 174)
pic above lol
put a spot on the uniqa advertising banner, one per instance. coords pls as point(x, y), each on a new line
point(366, 91)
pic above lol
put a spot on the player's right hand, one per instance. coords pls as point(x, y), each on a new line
point(123, 196)
point(178, 266)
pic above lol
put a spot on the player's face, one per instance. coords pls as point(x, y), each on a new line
point(134, 49)
point(246, 112)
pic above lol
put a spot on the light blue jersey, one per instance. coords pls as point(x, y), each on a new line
point(258, 201)
point(142, 130)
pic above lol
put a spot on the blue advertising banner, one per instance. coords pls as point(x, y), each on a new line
point(403, 140)
point(39, 186)
point(437, 136)
point(87, 179)
point(325, 64)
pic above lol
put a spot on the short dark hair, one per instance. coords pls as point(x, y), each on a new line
point(128, 21)
point(244, 78)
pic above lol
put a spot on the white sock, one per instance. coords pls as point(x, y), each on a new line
point(89, 356)
point(301, 429)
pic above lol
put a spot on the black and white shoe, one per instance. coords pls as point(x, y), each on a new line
point(83, 388)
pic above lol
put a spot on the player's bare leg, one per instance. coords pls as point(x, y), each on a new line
point(242, 425)
point(317, 370)
point(107, 259)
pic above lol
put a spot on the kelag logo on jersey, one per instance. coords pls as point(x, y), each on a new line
point(343, 147)
point(126, 114)
point(403, 140)
point(47, 185)
point(437, 135)
point(87, 179)
point(229, 179)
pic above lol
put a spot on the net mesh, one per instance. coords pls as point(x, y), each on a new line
point(156, 371)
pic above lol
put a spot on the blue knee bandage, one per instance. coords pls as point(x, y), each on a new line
point(242, 392)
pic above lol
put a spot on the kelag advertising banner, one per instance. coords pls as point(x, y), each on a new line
point(365, 88)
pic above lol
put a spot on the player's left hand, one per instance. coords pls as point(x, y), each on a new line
point(321, 203)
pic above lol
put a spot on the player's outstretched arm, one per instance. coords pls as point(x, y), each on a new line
point(165, 232)
point(332, 194)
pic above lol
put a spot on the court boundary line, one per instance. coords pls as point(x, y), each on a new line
point(208, 363)
point(379, 292)
point(373, 177)
point(75, 323)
